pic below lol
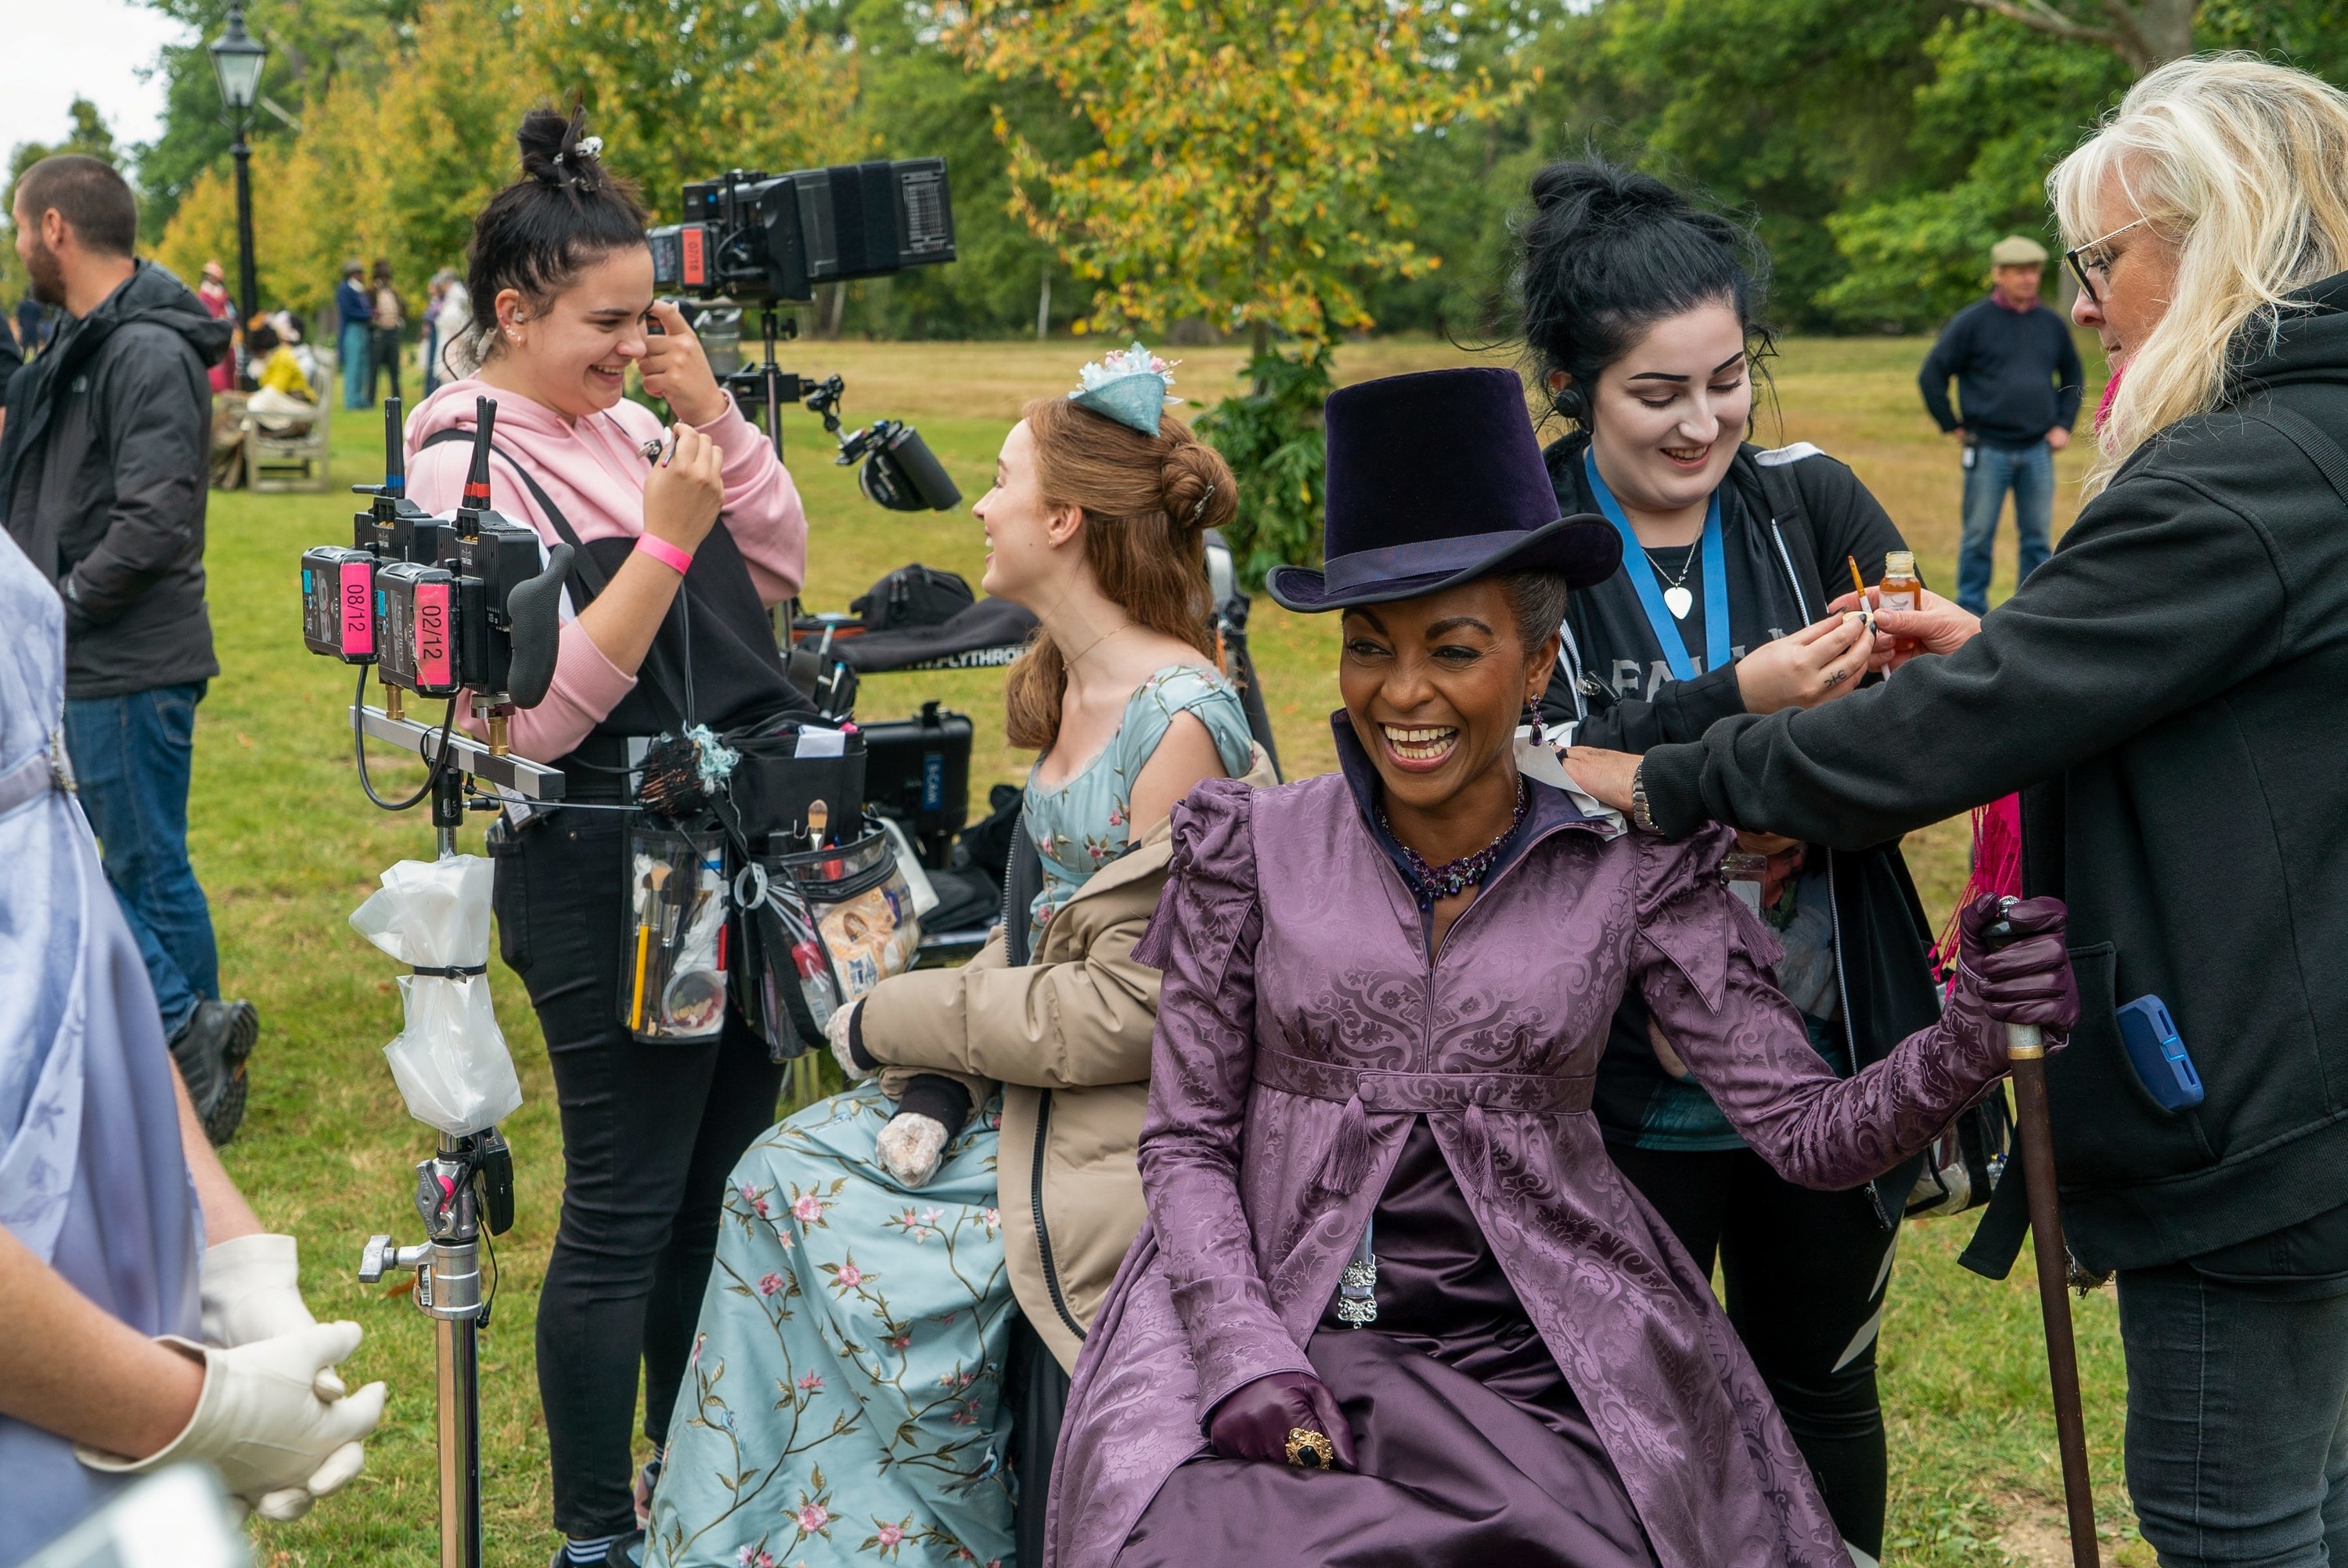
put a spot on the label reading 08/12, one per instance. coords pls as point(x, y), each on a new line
point(358, 615)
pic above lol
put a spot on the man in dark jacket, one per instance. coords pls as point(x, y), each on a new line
point(102, 484)
point(2018, 388)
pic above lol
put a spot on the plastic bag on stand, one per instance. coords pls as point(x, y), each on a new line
point(451, 1062)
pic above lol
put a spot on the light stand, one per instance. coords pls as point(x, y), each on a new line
point(468, 1184)
point(767, 383)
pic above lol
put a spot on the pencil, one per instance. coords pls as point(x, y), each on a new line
point(636, 1003)
point(1859, 582)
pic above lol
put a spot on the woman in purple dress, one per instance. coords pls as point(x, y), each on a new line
point(1394, 1305)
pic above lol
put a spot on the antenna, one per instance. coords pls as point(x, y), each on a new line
point(394, 453)
point(477, 480)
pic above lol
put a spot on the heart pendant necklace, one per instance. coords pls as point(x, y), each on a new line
point(1676, 598)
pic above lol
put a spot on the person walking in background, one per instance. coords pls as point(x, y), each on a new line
point(449, 320)
point(435, 330)
point(2018, 387)
point(355, 311)
point(102, 483)
point(214, 293)
point(32, 325)
point(390, 318)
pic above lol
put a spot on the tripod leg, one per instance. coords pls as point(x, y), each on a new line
point(460, 1443)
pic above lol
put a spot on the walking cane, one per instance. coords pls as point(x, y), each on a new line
point(2025, 1050)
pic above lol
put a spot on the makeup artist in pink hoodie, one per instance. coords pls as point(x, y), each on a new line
point(693, 533)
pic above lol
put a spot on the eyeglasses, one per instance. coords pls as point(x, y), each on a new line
point(2103, 264)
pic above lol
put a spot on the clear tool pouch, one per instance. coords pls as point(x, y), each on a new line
point(450, 1061)
point(674, 941)
point(826, 926)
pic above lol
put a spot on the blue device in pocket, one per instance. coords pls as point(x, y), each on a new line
point(2159, 1056)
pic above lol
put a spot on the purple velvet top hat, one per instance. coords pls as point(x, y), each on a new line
point(1435, 480)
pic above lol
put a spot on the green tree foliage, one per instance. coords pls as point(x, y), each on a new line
point(310, 42)
point(87, 132)
point(2003, 106)
point(1879, 146)
point(1270, 435)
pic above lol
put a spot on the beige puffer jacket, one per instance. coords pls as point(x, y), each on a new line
point(1067, 1036)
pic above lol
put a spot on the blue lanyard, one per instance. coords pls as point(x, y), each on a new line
point(1641, 573)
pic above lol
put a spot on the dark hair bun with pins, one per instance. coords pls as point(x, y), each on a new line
point(565, 211)
point(1605, 253)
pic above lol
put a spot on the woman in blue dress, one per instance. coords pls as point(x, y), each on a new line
point(886, 1256)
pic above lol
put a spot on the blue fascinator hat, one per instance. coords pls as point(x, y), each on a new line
point(1130, 387)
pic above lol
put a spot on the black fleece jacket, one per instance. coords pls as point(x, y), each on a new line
point(1800, 516)
point(103, 475)
point(2170, 694)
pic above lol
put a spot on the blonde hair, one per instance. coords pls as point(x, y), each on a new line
point(2242, 165)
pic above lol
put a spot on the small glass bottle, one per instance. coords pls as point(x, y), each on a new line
point(1900, 588)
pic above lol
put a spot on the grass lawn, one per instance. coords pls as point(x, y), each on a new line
point(287, 846)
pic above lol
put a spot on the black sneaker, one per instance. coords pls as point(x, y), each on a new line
point(627, 1551)
point(212, 1049)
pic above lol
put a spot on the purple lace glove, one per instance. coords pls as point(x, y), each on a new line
point(2030, 979)
point(1254, 1420)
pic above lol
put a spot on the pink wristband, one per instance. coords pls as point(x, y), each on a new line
point(668, 554)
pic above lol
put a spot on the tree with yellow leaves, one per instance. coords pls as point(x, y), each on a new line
point(1243, 146)
point(395, 162)
point(1241, 178)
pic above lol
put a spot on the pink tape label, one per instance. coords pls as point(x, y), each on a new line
point(358, 607)
point(432, 651)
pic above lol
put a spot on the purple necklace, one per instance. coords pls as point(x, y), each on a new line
point(1455, 877)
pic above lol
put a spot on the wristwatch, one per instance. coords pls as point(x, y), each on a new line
point(1641, 818)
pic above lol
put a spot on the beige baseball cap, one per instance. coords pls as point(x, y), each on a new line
point(2014, 251)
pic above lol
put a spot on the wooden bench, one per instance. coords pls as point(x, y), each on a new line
point(277, 464)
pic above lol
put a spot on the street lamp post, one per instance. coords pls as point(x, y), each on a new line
point(237, 58)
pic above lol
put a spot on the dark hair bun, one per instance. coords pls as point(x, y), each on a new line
point(1605, 253)
point(1197, 487)
point(557, 150)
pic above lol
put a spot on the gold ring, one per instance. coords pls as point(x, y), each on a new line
point(1309, 1449)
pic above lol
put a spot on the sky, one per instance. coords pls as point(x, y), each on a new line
point(61, 49)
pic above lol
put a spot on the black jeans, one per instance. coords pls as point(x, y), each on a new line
point(649, 1133)
point(1807, 1273)
point(386, 346)
point(2236, 1417)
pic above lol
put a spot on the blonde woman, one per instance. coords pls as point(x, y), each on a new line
point(2170, 695)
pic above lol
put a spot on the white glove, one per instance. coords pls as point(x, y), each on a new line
point(909, 1147)
point(251, 1290)
point(835, 1029)
point(260, 1423)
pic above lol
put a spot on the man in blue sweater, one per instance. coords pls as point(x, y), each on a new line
point(2018, 386)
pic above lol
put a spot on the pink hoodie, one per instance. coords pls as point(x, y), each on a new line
point(595, 471)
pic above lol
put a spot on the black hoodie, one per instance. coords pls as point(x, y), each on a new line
point(2170, 694)
point(104, 473)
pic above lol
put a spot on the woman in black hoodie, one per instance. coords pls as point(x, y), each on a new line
point(1638, 312)
point(2170, 695)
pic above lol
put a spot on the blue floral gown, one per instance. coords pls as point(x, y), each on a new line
point(842, 1404)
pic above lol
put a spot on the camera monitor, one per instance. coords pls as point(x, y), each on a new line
point(750, 235)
